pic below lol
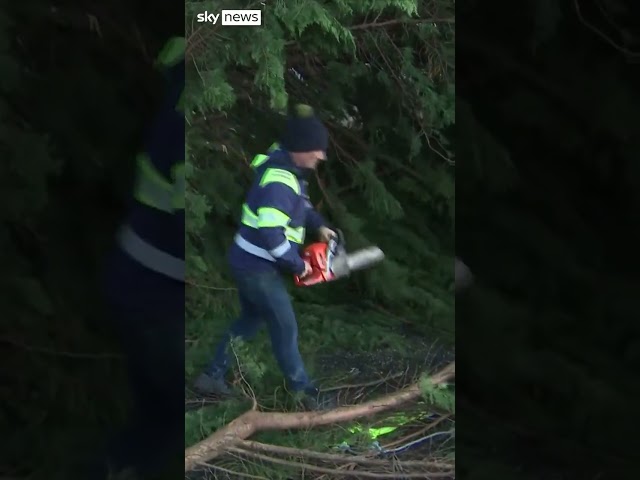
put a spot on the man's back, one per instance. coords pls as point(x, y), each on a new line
point(278, 185)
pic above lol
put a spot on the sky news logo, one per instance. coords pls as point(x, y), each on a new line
point(232, 18)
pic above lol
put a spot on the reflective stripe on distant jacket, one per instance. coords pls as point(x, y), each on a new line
point(275, 216)
point(154, 232)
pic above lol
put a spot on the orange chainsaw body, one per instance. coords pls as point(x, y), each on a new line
point(330, 261)
point(318, 256)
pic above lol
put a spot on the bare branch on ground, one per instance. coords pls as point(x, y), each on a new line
point(255, 421)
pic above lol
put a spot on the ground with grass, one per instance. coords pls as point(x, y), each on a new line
point(362, 361)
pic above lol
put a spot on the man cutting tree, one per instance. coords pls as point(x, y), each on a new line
point(275, 216)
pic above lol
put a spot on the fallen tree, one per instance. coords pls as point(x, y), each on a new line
point(253, 421)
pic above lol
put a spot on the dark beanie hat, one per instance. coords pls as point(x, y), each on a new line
point(304, 132)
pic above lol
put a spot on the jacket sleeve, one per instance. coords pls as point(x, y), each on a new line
point(276, 202)
point(313, 219)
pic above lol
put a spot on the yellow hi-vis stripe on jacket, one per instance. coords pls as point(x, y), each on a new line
point(172, 53)
point(270, 217)
point(154, 190)
point(261, 158)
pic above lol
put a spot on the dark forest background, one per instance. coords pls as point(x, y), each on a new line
point(77, 89)
point(547, 342)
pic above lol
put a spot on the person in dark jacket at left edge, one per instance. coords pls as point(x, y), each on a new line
point(145, 293)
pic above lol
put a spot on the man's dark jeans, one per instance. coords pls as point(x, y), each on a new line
point(153, 342)
point(264, 298)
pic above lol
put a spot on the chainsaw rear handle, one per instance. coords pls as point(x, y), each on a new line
point(314, 277)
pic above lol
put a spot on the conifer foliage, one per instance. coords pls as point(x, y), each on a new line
point(380, 73)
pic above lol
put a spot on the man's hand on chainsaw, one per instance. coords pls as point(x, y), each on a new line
point(325, 234)
point(307, 270)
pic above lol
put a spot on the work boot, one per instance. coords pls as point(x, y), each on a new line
point(315, 400)
point(210, 385)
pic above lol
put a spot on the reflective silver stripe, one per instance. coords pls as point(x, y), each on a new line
point(149, 256)
point(281, 249)
point(270, 255)
point(253, 249)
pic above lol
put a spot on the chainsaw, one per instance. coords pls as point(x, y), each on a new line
point(330, 261)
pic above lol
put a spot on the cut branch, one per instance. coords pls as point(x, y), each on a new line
point(253, 421)
point(336, 458)
point(335, 471)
